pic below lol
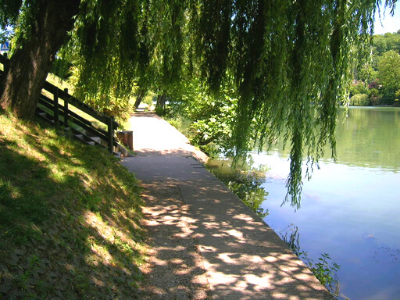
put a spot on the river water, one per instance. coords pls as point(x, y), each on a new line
point(349, 209)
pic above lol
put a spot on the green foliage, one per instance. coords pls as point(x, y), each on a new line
point(9, 11)
point(61, 68)
point(211, 116)
point(374, 96)
point(324, 270)
point(108, 103)
point(249, 190)
point(358, 88)
point(386, 42)
point(388, 96)
point(389, 70)
point(389, 76)
point(397, 94)
point(283, 87)
point(159, 111)
point(244, 181)
point(381, 72)
point(105, 45)
point(264, 51)
point(148, 99)
point(359, 100)
point(119, 44)
point(367, 73)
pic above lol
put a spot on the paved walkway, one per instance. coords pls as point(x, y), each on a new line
point(206, 244)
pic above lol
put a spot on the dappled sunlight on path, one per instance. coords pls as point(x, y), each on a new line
point(204, 242)
point(175, 268)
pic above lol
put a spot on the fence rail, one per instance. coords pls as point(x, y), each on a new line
point(63, 116)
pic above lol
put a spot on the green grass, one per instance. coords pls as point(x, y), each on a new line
point(69, 218)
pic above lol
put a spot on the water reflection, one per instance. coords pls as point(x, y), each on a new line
point(349, 208)
point(352, 213)
point(324, 269)
point(245, 181)
point(366, 137)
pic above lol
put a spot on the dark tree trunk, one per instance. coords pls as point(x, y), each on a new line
point(140, 95)
point(33, 57)
point(161, 99)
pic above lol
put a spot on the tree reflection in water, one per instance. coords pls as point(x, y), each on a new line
point(244, 181)
point(324, 269)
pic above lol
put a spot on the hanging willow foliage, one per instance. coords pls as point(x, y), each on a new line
point(117, 44)
point(290, 60)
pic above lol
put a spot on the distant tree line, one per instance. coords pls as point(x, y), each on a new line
point(378, 81)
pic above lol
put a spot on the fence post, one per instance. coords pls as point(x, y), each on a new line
point(111, 134)
point(56, 115)
point(66, 110)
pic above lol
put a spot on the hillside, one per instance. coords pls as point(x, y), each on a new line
point(69, 218)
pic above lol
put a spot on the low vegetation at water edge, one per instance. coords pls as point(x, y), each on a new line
point(69, 218)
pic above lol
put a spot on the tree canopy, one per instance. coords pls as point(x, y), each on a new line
point(289, 62)
point(377, 82)
point(389, 69)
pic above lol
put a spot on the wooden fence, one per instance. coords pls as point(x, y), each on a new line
point(63, 117)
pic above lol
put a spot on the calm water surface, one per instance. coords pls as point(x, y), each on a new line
point(350, 209)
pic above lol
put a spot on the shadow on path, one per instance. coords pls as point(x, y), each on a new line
point(206, 243)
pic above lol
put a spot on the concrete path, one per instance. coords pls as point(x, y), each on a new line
point(206, 244)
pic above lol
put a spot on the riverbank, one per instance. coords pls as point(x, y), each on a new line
point(205, 243)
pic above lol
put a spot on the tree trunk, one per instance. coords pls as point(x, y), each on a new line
point(140, 95)
point(161, 99)
point(28, 68)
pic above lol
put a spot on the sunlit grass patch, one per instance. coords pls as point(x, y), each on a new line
point(69, 218)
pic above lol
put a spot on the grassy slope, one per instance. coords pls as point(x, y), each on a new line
point(69, 218)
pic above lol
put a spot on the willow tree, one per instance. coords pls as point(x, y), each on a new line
point(41, 28)
point(290, 61)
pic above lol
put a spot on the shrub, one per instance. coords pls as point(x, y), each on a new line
point(359, 100)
